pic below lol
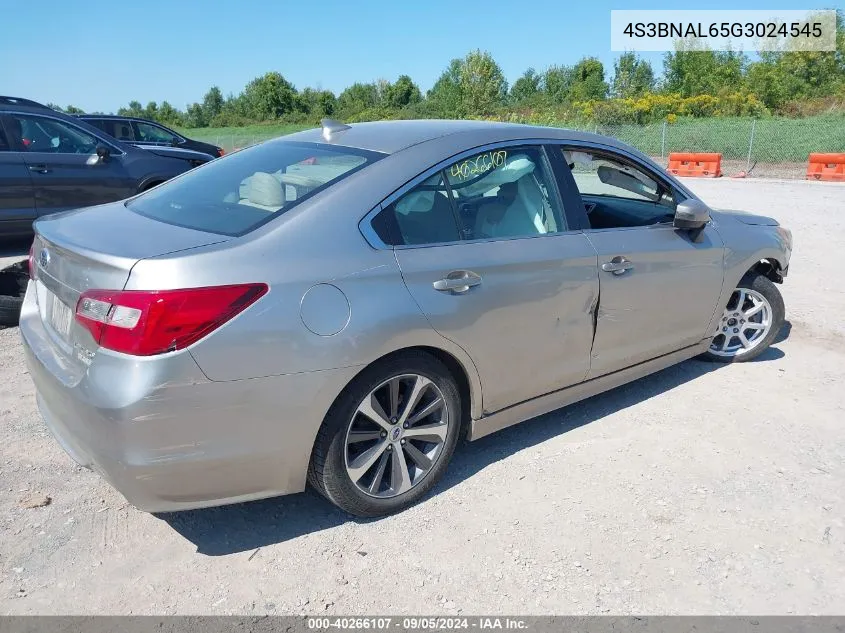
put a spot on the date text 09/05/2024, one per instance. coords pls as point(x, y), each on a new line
point(417, 623)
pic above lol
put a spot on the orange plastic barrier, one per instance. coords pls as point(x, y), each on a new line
point(696, 165)
point(826, 167)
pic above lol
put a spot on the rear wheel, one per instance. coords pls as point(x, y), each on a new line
point(389, 437)
point(750, 322)
point(13, 281)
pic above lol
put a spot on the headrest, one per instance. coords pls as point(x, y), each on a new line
point(515, 167)
point(265, 189)
point(416, 202)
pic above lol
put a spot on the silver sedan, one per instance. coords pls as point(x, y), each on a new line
point(342, 306)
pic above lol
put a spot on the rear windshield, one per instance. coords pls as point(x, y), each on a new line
point(235, 194)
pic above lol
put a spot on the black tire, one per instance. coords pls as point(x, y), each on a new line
point(10, 310)
point(765, 286)
point(327, 469)
point(13, 281)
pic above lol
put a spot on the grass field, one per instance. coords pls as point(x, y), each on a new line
point(232, 137)
point(774, 140)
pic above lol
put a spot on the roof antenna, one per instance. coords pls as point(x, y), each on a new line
point(331, 126)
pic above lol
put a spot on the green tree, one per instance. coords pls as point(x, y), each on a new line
point(588, 80)
point(402, 93)
point(632, 76)
point(169, 115)
point(135, 109)
point(357, 98)
point(527, 87)
point(317, 103)
point(151, 111)
point(445, 95)
point(195, 116)
point(692, 71)
point(557, 83)
point(212, 103)
point(483, 85)
point(268, 97)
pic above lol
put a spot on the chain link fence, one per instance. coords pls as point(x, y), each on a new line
point(769, 148)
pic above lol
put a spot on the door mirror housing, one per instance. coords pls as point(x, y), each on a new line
point(103, 153)
point(691, 214)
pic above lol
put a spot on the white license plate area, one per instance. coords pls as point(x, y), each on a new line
point(55, 312)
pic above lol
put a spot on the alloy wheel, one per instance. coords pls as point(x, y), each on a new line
point(746, 321)
point(396, 435)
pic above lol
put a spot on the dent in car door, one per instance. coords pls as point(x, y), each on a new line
point(662, 297)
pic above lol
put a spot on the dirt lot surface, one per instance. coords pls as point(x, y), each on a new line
point(700, 489)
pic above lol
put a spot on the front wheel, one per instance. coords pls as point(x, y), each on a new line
point(389, 437)
point(750, 322)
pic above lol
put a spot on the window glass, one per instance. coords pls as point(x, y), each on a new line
point(504, 193)
point(5, 145)
point(154, 134)
point(119, 129)
point(32, 133)
point(617, 194)
point(247, 188)
point(424, 215)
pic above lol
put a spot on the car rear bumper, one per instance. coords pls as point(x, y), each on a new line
point(169, 439)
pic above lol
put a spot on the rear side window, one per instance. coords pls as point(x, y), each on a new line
point(238, 193)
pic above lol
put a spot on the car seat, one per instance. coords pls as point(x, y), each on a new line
point(124, 133)
point(262, 191)
point(426, 217)
point(520, 208)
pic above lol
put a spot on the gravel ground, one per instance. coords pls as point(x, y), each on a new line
point(701, 489)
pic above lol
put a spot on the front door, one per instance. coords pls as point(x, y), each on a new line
point(17, 202)
point(62, 162)
point(658, 286)
point(484, 251)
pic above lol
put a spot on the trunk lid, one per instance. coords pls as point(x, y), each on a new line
point(95, 248)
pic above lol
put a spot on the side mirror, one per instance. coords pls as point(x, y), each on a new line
point(103, 153)
point(691, 214)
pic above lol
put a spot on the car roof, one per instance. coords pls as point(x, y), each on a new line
point(389, 137)
point(113, 116)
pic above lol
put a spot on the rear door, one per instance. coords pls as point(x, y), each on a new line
point(17, 199)
point(63, 164)
point(485, 252)
point(658, 285)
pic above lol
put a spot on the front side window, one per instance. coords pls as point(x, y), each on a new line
point(500, 193)
point(616, 193)
point(31, 133)
point(154, 134)
point(243, 190)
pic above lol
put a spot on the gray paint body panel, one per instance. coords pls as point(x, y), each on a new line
point(234, 416)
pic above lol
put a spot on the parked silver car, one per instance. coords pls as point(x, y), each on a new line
point(341, 306)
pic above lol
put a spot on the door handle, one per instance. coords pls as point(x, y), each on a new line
point(457, 281)
point(39, 169)
point(618, 265)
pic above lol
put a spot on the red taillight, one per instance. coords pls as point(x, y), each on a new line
point(32, 261)
point(147, 322)
point(220, 151)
